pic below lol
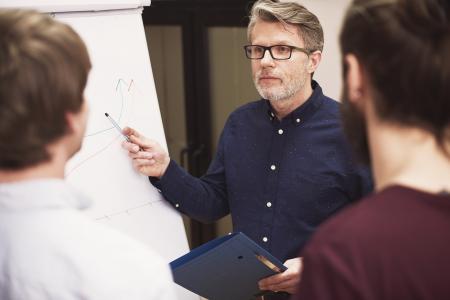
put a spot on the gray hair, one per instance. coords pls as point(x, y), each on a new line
point(289, 12)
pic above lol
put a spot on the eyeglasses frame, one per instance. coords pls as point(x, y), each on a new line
point(269, 48)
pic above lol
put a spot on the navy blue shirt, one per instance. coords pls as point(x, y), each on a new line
point(279, 179)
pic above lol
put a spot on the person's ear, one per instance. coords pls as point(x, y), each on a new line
point(74, 121)
point(314, 61)
point(71, 120)
point(354, 80)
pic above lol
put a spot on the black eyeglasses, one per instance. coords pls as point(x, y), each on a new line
point(278, 52)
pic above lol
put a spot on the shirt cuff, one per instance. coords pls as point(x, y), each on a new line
point(172, 178)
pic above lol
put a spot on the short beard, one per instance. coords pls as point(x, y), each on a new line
point(281, 93)
point(355, 129)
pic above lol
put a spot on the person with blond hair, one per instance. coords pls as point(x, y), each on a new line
point(282, 164)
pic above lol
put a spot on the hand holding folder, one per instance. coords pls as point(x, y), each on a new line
point(227, 268)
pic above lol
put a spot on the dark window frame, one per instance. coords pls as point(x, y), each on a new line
point(194, 17)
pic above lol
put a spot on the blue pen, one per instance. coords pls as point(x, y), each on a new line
point(117, 127)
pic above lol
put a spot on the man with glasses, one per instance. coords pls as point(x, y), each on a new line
point(282, 164)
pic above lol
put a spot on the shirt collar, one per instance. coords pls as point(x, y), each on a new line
point(304, 111)
point(41, 194)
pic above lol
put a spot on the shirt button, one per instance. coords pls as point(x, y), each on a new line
point(265, 239)
point(297, 120)
point(273, 167)
point(269, 204)
point(280, 131)
point(177, 205)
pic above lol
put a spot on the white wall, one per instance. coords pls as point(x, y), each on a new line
point(330, 14)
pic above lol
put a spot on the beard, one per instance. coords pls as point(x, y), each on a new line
point(288, 87)
point(355, 128)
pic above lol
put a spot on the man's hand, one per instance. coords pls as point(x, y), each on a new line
point(149, 158)
point(287, 281)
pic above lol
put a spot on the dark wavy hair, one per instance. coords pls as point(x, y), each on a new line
point(404, 48)
point(44, 66)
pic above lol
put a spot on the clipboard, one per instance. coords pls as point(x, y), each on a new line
point(226, 268)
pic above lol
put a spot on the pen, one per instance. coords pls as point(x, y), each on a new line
point(268, 263)
point(117, 127)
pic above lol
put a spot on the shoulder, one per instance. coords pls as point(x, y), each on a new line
point(335, 254)
point(138, 270)
point(358, 225)
point(326, 111)
point(127, 253)
point(73, 252)
point(343, 223)
point(351, 248)
point(245, 116)
point(330, 107)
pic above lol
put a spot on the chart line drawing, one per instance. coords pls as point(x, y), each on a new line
point(120, 90)
point(73, 169)
point(122, 103)
point(127, 211)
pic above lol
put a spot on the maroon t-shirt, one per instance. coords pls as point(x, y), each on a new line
point(393, 245)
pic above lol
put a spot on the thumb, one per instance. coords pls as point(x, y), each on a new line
point(142, 141)
point(129, 131)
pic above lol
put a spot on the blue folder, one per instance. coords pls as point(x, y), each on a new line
point(226, 268)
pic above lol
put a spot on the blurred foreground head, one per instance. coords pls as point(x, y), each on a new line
point(402, 48)
point(44, 67)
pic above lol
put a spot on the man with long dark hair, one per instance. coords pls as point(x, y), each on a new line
point(396, 109)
